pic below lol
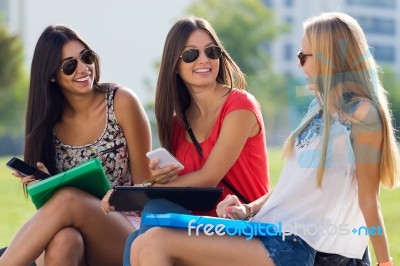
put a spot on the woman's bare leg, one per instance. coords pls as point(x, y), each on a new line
point(104, 235)
point(65, 248)
point(163, 246)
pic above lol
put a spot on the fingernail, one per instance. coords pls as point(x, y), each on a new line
point(228, 209)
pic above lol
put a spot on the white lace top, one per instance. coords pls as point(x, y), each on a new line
point(328, 218)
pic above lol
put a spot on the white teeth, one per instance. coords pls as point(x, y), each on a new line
point(83, 79)
point(202, 70)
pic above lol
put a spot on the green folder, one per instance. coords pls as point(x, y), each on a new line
point(88, 176)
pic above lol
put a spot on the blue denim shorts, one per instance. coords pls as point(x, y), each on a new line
point(327, 259)
point(291, 251)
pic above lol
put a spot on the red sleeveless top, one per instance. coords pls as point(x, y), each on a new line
point(249, 174)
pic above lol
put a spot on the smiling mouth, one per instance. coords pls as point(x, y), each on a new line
point(83, 79)
point(202, 70)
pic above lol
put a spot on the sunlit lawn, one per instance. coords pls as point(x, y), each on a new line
point(15, 209)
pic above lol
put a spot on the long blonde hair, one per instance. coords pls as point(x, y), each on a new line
point(341, 54)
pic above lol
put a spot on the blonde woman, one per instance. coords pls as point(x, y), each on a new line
point(328, 192)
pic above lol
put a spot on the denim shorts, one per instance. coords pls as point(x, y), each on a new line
point(327, 259)
point(291, 251)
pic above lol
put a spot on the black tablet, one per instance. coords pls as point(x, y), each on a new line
point(131, 198)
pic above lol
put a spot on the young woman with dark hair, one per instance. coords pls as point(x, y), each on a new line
point(71, 118)
point(207, 119)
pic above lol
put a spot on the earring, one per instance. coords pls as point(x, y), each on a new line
point(53, 80)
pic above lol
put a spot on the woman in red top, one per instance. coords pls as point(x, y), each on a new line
point(238, 164)
point(200, 87)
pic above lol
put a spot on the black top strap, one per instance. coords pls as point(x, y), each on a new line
point(195, 142)
point(200, 151)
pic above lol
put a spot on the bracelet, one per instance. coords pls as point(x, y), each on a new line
point(148, 183)
point(250, 210)
point(387, 263)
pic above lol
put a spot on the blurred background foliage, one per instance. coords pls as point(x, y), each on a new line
point(13, 91)
point(247, 28)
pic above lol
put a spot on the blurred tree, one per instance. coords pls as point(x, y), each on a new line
point(247, 28)
point(13, 86)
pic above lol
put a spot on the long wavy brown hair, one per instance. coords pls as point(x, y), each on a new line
point(45, 100)
point(172, 96)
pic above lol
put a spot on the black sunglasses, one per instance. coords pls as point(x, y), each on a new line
point(190, 55)
point(302, 57)
point(70, 64)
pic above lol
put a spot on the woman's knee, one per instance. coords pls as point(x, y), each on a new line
point(148, 239)
point(69, 198)
point(138, 248)
point(66, 240)
point(64, 196)
point(66, 246)
point(145, 244)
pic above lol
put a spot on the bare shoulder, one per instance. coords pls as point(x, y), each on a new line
point(127, 106)
point(367, 113)
point(125, 97)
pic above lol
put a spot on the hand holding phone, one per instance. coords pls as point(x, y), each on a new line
point(26, 169)
point(165, 158)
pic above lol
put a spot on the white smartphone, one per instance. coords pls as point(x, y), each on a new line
point(165, 158)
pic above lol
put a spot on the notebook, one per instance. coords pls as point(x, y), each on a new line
point(210, 225)
point(133, 198)
point(183, 220)
point(88, 176)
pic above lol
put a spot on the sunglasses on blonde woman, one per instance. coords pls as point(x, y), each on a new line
point(302, 57)
point(190, 55)
point(70, 64)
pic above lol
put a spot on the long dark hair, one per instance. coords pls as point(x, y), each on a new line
point(172, 96)
point(45, 100)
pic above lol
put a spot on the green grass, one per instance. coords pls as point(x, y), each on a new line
point(15, 209)
point(391, 213)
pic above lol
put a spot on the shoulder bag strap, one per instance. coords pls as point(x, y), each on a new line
point(199, 150)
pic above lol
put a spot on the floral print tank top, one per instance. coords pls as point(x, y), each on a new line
point(110, 148)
